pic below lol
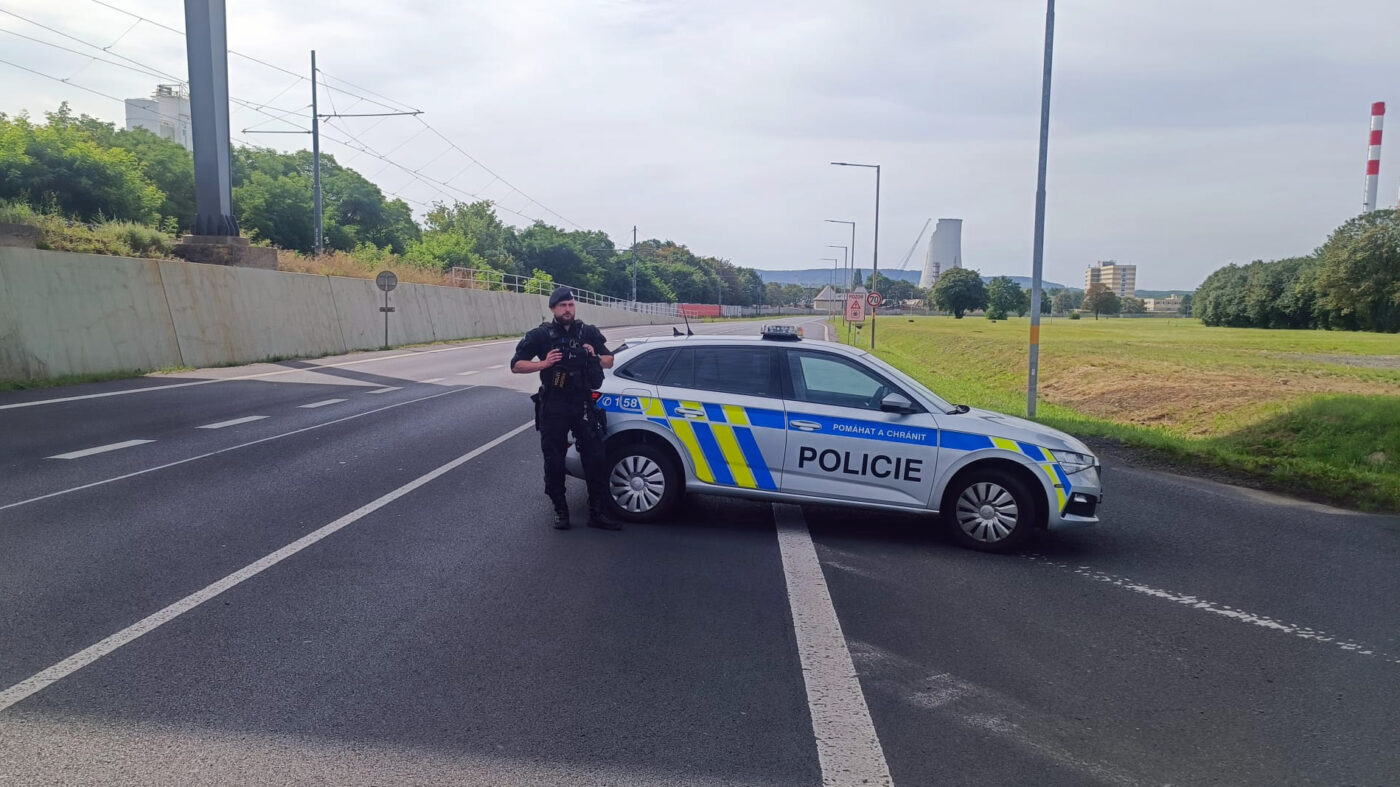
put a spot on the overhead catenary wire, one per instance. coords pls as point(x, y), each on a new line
point(262, 109)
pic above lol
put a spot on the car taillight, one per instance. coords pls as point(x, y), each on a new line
point(597, 394)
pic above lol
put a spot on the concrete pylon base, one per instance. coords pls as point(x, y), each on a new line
point(225, 250)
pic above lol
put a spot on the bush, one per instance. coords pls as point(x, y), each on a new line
point(1074, 315)
point(996, 313)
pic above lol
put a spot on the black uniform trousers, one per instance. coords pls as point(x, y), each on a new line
point(558, 417)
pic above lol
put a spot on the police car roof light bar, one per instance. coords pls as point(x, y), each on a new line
point(781, 333)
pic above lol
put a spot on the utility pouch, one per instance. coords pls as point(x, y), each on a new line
point(538, 399)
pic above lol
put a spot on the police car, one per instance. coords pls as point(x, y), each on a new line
point(784, 418)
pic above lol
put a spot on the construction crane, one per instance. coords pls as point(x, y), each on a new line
point(904, 265)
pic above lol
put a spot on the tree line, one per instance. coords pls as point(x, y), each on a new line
point(1351, 283)
point(88, 170)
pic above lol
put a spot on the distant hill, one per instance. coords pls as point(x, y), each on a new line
point(817, 277)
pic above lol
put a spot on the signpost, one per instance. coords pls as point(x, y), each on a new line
point(855, 311)
point(386, 281)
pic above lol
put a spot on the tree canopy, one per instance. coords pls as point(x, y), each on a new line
point(958, 291)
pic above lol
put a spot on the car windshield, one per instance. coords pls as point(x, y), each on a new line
point(908, 382)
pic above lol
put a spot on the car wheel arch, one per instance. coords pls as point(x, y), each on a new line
point(1026, 474)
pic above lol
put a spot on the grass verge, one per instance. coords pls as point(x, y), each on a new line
point(1311, 413)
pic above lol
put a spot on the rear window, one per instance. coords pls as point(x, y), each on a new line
point(747, 371)
point(648, 367)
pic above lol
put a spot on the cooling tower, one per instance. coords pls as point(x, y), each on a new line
point(944, 251)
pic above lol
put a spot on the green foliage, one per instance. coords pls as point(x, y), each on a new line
point(59, 165)
point(1133, 305)
point(1064, 301)
point(1099, 299)
point(1074, 315)
point(959, 290)
point(1358, 282)
point(1005, 296)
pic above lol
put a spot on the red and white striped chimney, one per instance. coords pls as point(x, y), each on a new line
point(1373, 156)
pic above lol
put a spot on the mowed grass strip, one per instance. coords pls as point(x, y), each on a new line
point(1316, 413)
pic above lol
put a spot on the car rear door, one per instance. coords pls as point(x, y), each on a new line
point(842, 445)
point(724, 403)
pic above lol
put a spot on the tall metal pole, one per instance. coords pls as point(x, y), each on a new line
point(634, 263)
point(1039, 248)
point(875, 266)
point(316, 159)
point(206, 49)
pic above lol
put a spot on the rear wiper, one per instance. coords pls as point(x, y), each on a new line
point(959, 409)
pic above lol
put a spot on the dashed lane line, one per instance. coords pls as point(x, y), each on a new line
point(36, 683)
point(847, 746)
point(322, 403)
point(432, 380)
point(101, 449)
point(472, 371)
point(234, 422)
point(386, 390)
point(114, 479)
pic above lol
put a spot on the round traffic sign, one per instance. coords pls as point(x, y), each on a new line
point(874, 299)
point(386, 280)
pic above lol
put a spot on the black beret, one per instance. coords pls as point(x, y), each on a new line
point(560, 294)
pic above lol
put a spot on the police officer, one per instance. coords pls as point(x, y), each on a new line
point(572, 356)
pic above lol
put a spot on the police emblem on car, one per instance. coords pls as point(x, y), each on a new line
point(781, 417)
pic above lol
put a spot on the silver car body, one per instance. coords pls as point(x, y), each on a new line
point(784, 448)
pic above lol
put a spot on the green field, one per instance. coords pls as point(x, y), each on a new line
point(1316, 413)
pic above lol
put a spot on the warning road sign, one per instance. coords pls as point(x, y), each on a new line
point(855, 308)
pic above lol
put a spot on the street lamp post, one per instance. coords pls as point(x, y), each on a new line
point(845, 253)
point(1037, 257)
point(833, 260)
point(852, 260)
point(875, 256)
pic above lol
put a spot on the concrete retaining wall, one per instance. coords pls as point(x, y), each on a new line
point(63, 314)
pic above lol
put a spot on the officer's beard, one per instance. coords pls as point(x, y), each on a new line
point(564, 320)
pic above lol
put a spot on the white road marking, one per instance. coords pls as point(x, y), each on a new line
point(1302, 632)
point(497, 366)
point(313, 369)
point(234, 422)
point(77, 661)
point(433, 380)
point(473, 371)
point(101, 449)
point(847, 747)
point(386, 390)
point(322, 403)
point(230, 448)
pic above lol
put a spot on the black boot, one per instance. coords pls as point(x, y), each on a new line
point(598, 517)
point(561, 519)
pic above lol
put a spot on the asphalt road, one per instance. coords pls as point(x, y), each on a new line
point(367, 591)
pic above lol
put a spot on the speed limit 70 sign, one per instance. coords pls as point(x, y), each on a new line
point(874, 299)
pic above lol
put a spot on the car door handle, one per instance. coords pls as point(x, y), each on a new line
point(690, 412)
point(806, 426)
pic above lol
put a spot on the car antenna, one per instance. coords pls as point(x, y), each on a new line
point(676, 331)
point(686, 317)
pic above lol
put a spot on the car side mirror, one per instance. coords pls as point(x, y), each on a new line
point(897, 403)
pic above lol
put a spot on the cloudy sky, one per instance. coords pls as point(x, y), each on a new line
point(1185, 134)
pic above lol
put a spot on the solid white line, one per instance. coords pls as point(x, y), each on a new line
point(432, 380)
point(234, 422)
point(101, 449)
point(150, 388)
point(847, 747)
point(386, 390)
point(77, 661)
point(322, 404)
point(231, 448)
point(464, 374)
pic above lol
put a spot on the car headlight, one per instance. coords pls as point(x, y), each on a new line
point(1074, 462)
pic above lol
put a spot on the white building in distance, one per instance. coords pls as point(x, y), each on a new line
point(944, 251)
point(1120, 279)
point(166, 114)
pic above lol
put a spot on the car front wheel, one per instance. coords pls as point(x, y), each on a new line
point(990, 510)
point(643, 482)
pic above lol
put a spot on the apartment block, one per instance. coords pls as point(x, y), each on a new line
point(1120, 279)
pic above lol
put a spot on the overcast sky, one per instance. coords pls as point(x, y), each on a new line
point(1184, 135)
